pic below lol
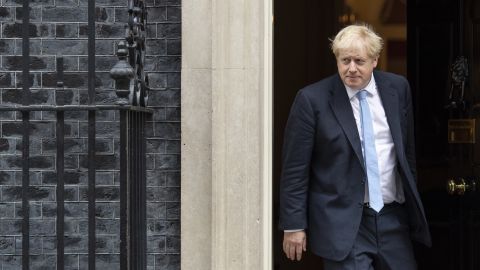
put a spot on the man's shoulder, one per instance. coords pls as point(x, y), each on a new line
point(389, 77)
point(321, 87)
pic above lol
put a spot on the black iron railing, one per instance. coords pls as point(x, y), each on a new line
point(132, 89)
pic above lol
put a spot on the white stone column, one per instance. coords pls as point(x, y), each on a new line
point(226, 134)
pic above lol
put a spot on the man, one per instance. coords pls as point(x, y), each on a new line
point(348, 179)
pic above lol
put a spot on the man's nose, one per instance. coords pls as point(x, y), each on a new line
point(352, 67)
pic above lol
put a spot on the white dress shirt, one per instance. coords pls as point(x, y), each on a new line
point(390, 183)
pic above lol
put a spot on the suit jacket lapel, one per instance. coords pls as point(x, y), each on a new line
point(389, 99)
point(342, 109)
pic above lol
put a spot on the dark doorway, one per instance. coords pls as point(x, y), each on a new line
point(437, 34)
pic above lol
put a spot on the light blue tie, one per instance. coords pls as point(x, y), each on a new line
point(370, 154)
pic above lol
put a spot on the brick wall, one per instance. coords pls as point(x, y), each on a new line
point(60, 27)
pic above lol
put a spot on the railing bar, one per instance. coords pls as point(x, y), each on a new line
point(25, 193)
point(131, 192)
point(137, 193)
point(91, 190)
point(133, 181)
point(26, 52)
point(123, 190)
point(60, 190)
point(26, 136)
point(143, 189)
point(91, 51)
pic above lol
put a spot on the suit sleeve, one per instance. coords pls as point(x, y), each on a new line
point(410, 140)
point(297, 151)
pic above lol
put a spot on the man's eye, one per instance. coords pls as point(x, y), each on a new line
point(360, 61)
point(346, 61)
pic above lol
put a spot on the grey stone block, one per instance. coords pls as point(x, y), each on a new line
point(167, 262)
point(64, 14)
point(164, 98)
point(173, 210)
point(169, 30)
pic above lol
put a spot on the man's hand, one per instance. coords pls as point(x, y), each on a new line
point(294, 243)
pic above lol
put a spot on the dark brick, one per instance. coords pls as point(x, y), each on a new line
point(35, 14)
point(66, 30)
point(37, 96)
point(121, 15)
point(157, 80)
point(116, 3)
point(7, 210)
point(102, 193)
point(71, 80)
point(156, 210)
point(6, 81)
point(32, 2)
point(156, 243)
point(169, 30)
point(34, 45)
point(158, 194)
point(151, 30)
point(155, 145)
point(173, 210)
point(35, 210)
point(164, 98)
point(161, 227)
point(6, 14)
point(107, 210)
point(156, 47)
point(173, 179)
point(65, 47)
point(7, 244)
point(10, 226)
point(11, 262)
point(36, 63)
point(102, 63)
point(12, 30)
point(174, 14)
point(44, 262)
point(7, 46)
point(14, 193)
point(75, 244)
point(64, 14)
point(156, 178)
point(104, 30)
point(167, 130)
point(157, 14)
point(66, 3)
point(72, 210)
point(174, 47)
point(167, 261)
point(34, 82)
point(173, 244)
point(40, 129)
point(174, 80)
point(104, 14)
point(162, 63)
point(173, 114)
point(168, 2)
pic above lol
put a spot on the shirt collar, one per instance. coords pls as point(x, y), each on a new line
point(371, 88)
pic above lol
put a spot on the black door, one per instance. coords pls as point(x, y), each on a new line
point(444, 71)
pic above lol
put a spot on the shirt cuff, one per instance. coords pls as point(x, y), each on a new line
point(297, 230)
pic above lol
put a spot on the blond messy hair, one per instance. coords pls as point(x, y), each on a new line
point(358, 36)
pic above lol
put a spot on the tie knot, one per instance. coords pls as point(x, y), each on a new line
point(362, 94)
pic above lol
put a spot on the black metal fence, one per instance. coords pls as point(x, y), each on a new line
point(131, 87)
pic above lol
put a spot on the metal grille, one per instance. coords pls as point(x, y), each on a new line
point(132, 89)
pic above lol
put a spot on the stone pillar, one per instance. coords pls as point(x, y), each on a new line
point(226, 134)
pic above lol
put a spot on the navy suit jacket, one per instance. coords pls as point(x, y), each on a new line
point(323, 179)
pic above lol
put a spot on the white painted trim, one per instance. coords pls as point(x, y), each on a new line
point(268, 137)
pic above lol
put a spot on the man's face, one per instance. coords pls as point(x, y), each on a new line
point(355, 68)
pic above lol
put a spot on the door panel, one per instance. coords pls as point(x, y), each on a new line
point(438, 33)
